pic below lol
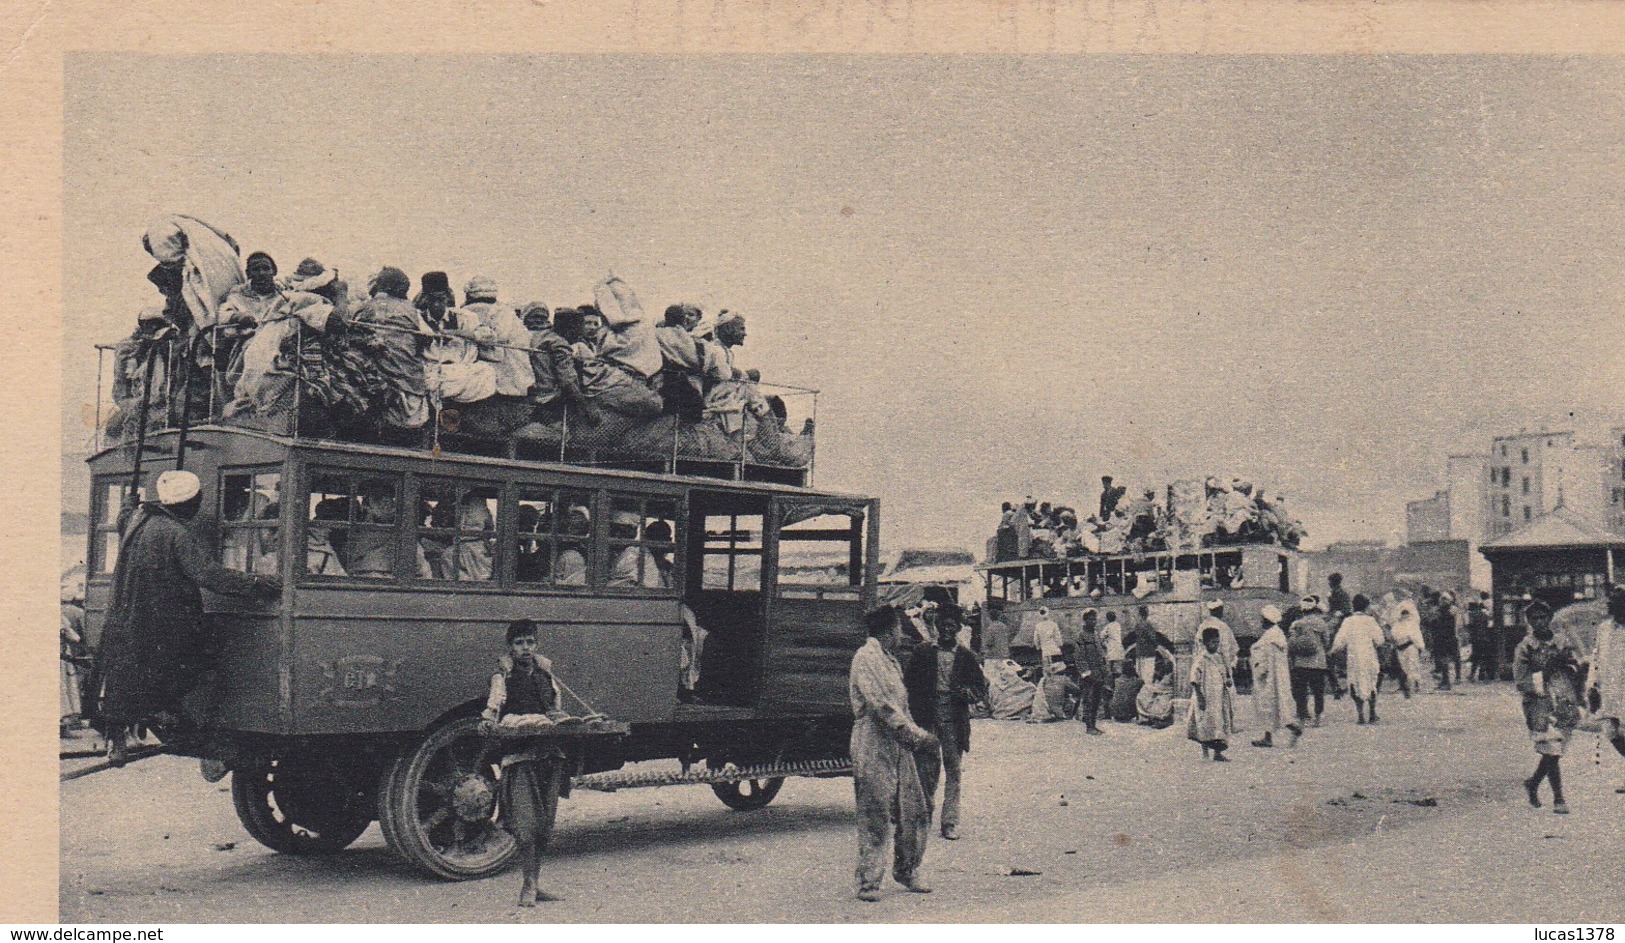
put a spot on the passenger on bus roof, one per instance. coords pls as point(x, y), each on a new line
point(689, 362)
point(152, 338)
point(513, 373)
point(628, 339)
point(265, 368)
point(726, 398)
point(607, 380)
point(551, 360)
point(455, 371)
point(396, 357)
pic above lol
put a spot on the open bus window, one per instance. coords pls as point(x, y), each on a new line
point(110, 504)
point(456, 530)
point(250, 514)
point(732, 553)
point(552, 536)
point(350, 525)
point(821, 549)
point(642, 543)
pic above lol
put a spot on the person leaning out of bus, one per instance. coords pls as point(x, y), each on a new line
point(523, 694)
point(885, 778)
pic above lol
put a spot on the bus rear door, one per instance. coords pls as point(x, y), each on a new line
point(823, 555)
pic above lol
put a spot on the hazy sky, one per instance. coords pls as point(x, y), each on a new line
point(1008, 275)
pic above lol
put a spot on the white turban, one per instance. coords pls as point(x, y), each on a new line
point(1271, 614)
point(178, 487)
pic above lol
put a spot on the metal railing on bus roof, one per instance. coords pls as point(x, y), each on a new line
point(577, 442)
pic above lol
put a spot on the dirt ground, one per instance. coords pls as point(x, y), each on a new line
point(1420, 818)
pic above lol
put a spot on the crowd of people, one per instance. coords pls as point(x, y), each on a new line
point(1195, 514)
point(239, 342)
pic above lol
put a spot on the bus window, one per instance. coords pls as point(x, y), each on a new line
point(552, 536)
point(642, 542)
point(250, 512)
point(534, 521)
point(732, 553)
point(456, 529)
point(825, 549)
point(350, 524)
point(110, 494)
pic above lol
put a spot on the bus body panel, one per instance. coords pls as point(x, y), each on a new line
point(396, 661)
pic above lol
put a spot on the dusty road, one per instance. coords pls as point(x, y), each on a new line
point(1420, 818)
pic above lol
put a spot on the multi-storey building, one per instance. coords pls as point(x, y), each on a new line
point(1521, 478)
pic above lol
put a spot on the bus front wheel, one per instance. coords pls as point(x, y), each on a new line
point(299, 808)
point(748, 795)
point(437, 805)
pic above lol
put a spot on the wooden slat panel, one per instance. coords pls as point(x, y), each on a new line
point(810, 652)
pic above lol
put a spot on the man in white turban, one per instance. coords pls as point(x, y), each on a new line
point(152, 646)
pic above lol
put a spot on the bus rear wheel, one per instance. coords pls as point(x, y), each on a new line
point(300, 809)
point(748, 795)
point(438, 805)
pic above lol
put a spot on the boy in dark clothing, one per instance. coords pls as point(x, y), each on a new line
point(523, 687)
point(943, 681)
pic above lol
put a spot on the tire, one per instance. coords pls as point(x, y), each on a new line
point(438, 805)
point(748, 795)
point(299, 808)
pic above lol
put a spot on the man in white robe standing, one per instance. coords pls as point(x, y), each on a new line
point(1272, 680)
point(1361, 637)
point(884, 775)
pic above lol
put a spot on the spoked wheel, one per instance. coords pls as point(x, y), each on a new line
point(748, 795)
point(302, 807)
point(438, 805)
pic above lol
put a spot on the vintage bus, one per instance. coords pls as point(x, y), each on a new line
point(1173, 586)
point(355, 695)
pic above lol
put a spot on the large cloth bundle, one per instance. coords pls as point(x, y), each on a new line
point(630, 340)
point(208, 259)
point(1009, 696)
point(1187, 517)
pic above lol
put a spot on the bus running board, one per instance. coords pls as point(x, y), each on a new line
point(612, 781)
